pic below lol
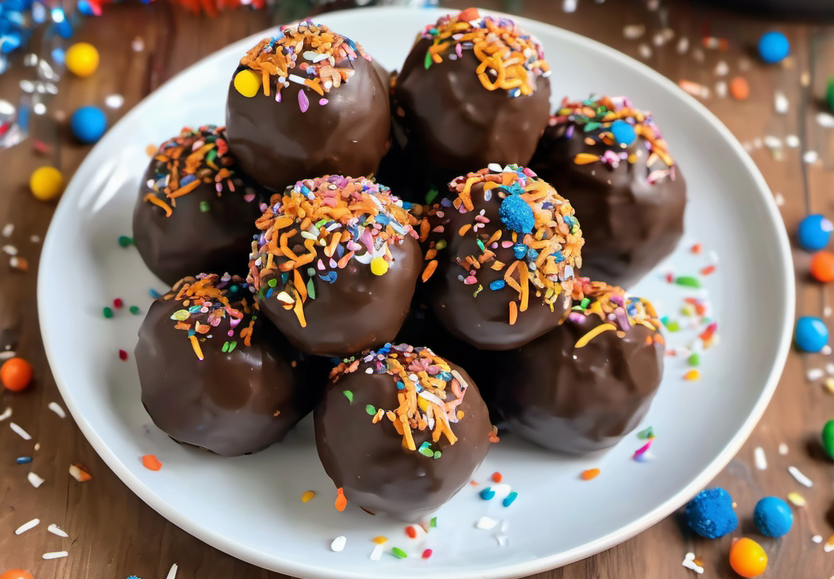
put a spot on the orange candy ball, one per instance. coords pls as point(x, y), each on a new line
point(822, 266)
point(16, 574)
point(747, 558)
point(15, 375)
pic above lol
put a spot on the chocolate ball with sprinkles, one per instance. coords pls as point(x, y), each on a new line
point(195, 210)
point(214, 373)
point(307, 102)
point(611, 161)
point(585, 385)
point(335, 264)
point(500, 257)
point(401, 430)
point(474, 90)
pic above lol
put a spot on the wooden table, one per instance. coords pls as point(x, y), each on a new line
point(113, 534)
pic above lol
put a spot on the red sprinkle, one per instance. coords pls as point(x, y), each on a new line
point(411, 532)
point(696, 249)
point(122, 355)
point(708, 270)
point(427, 553)
point(497, 477)
point(670, 278)
point(117, 303)
point(150, 462)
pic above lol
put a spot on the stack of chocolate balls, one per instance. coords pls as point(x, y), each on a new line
point(284, 251)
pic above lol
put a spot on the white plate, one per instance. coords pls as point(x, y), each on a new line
point(250, 506)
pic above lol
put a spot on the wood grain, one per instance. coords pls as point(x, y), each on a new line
point(113, 534)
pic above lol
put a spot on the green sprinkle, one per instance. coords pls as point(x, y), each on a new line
point(694, 359)
point(481, 245)
point(671, 325)
point(591, 126)
point(134, 310)
point(431, 195)
point(349, 395)
point(427, 63)
point(425, 450)
point(108, 313)
point(477, 291)
point(204, 206)
point(441, 244)
point(180, 315)
point(125, 241)
point(433, 523)
point(225, 348)
point(369, 408)
point(584, 303)
point(646, 434)
point(232, 346)
point(688, 281)
point(272, 283)
point(437, 454)
point(311, 289)
point(396, 551)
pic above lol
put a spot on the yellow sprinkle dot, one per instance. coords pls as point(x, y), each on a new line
point(797, 499)
point(46, 183)
point(81, 59)
point(307, 496)
point(379, 539)
point(379, 266)
point(692, 375)
point(247, 83)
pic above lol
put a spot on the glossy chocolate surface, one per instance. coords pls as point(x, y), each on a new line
point(370, 462)
point(629, 224)
point(579, 400)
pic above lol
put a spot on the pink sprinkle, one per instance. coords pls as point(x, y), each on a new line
point(117, 303)
point(638, 454)
point(278, 97)
point(670, 278)
point(249, 197)
point(122, 355)
point(470, 280)
point(303, 102)
point(323, 101)
point(427, 552)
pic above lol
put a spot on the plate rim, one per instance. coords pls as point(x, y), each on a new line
point(541, 564)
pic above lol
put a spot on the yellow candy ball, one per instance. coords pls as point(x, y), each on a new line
point(747, 558)
point(46, 183)
point(379, 266)
point(82, 59)
point(248, 83)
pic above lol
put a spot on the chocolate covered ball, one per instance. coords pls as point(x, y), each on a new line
point(474, 90)
point(611, 161)
point(500, 258)
point(335, 264)
point(216, 375)
point(401, 430)
point(195, 211)
point(586, 384)
point(307, 102)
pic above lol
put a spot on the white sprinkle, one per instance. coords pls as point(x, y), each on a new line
point(721, 69)
point(138, 45)
point(8, 229)
point(78, 474)
point(39, 108)
point(825, 120)
point(634, 31)
point(759, 458)
point(6, 413)
point(56, 408)
point(817, 539)
point(114, 101)
point(683, 45)
point(810, 157)
point(772, 142)
point(338, 544)
point(780, 199)
point(659, 39)
point(826, 311)
point(721, 88)
point(689, 563)
point(569, 5)
point(485, 523)
point(296, 79)
point(828, 547)
point(369, 370)
point(18, 430)
point(26, 526)
point(645, 51)
point(56, 530)
point(9, 250)
point(172, 572)
point(501, 490)
point(34, 479)
point(800, 478)
point(37, 446)
point(376, 554)
point(815, 374)
point(502, 539)
point(780, 102)
point(55, 555)
point(35, 239)
point(783, 449)
point(826, 350)
point(495, 167)
point(792, 141)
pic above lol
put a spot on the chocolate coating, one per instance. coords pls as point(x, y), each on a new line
point(629, 224)
point(278, 144)
point(370, 462)
point(579, 400)
point(230, 403)
point(206, 231)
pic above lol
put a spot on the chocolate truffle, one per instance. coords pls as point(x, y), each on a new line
point(474, 90)
point(504, 247)
point(586, 384)
point(307, 102)
point(610, 160)
point(336, 264)
point(401, 430)
point(194, 212)
point(216, 375)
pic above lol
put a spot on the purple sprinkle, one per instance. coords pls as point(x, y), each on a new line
point(569, 131)
point(303, 102)
point(323, 101)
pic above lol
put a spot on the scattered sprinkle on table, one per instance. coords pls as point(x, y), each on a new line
point(338, 544)
point(172, 572)
point(122, 355)
point(690, 562)
point(783, 449)
point(800, 478)
point(692, 375)
point(56, 530)
point(485, 523)
point(797, 499)
point(79, 472)
point(376, 554)
point(26, 526)
point(817, 539)
point(19, 431)
point(23, 460)
point(35, 480)
point(55, 555)
point(56, 408)
point(399, 553)
point(759, 458)
point(6, 414)
point(426, 554)
point(150, 462)
point(590, 474)
point(307, 496)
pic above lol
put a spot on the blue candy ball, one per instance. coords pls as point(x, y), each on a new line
point(774, 47)
point(811, 334)
point(711, 514)
point(773, 517)
point(623, 132)
point(814, 232)
point(516, 214)
point(88, 124)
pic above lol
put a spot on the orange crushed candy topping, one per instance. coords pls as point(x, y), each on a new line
point(150, 462)
point(590, 474)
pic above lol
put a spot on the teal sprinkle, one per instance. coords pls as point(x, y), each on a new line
point(425, 450)
point(694, 359)
point(433, 523)
point(688, 281)
point(125, 241)
point(396, 551)
point(591, 126)
point(481, 245)
point(509, 499)
point(134, 310)
point(646, 434)
point(487, 494)
point(431, 195)
point(272, 283)
point(427, 62)
point(369, 408)
point(204, 206)
point(349, 395)
point(108, 313)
